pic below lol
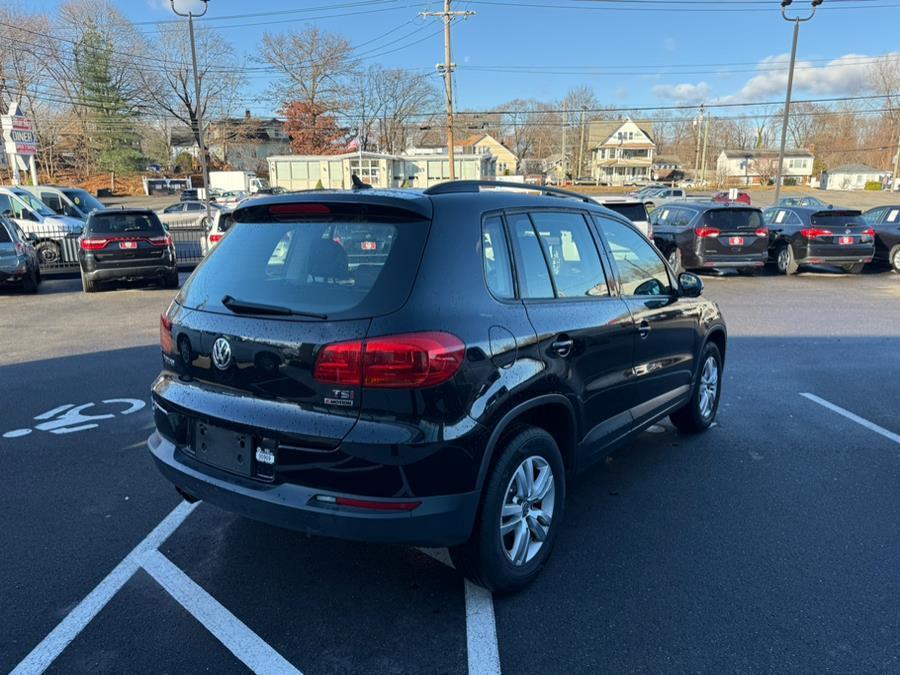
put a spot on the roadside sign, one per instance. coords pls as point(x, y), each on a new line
point(18, 132)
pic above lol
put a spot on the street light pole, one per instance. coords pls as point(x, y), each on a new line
point(787, 101)
point(200, 136)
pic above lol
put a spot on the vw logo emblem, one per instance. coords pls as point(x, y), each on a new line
point(221, 354)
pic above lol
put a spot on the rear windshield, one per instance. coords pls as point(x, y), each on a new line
point(634, 212)
point(835, 218)
point(125, 223)
point(340, 268)
point(723, 218)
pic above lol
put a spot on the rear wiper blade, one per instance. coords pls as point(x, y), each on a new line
point(243, 307)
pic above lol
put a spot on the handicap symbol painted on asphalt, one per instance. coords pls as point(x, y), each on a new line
point(69, 418)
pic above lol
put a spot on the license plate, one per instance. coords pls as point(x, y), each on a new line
point(223, 448)
point(846, 240)
point(127, 244)
point(736, 241)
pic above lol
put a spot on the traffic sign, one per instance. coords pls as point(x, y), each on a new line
point(18, 132)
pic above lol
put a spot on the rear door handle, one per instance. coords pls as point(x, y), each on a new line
point(644, 328)
point(563, 346)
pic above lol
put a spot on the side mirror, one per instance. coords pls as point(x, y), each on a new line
point(691, 285)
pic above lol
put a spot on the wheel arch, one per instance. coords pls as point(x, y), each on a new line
point(717, 336)
point(553, 413)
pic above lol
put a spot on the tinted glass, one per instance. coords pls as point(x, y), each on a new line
point(83, 200)
point(834, 218)
point(175, 208)
point(52, 201)
point(570, 248)
point(344, 268)
point(740, 218)
point(4, 235)
point(631, 211)
point(641, 270)
point(534, 277)
point(497, 267)
point(34, 203)
point(874, 216)
point(125, 224)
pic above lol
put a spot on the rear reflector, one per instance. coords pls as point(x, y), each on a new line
point(815, 232)
point(392, 362)
point(704, 232)
point(370, 505)
point(296, 210)
point(214, 238)
point(166, 343)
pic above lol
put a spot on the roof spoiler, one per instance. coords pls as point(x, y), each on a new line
point(468, 186)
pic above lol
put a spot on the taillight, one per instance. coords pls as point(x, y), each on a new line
point(215, 238)
point(93, 244)
point(166, 343)
point(762, 232)
point(165, 240)
point(869, 232)
point(392, 362)
point(704, 232)
point(813, 232)
point(20, 249)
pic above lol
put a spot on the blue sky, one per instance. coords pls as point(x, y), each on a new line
point(541, 48)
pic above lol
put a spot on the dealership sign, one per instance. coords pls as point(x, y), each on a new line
point(18, 132)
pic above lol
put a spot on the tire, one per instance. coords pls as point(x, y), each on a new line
point(30, 283)
point(674, 259)
point(785, 261)
point(171, 280)
point(855, 268)
point(894, 259)
point(700, 412)
point(37, 274)
point(488, 557)
point(87, 285)
point(746, 271)
point(48, 252)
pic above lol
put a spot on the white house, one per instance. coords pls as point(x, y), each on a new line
point(748, 167)
point(621, 151)
point(304, 172)
point(852, 177)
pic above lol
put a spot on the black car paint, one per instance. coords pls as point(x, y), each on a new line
point(431, 445)
point(709, 252)
point(145, 261)
point(886, 222)
point(818, 250)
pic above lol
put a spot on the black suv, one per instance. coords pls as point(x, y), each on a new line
point(126, 244)
point(711, 235)
point(426, 367)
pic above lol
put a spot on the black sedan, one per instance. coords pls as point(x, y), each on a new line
point(885, 220)
point(126, 244)
point(813, 236)
point(710, 235)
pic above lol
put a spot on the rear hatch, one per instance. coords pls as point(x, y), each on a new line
point(248, 327)
point(125, 239)
point(733, 232)
point(635, 211)
point(838, 232)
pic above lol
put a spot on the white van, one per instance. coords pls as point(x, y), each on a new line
point(35, 217)
point(66, 201)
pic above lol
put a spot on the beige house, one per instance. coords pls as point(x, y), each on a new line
point(748, 167)
point(480, 144)
point(305, 172)
point(621, 151)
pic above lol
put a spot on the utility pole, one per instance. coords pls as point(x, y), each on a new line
point(703, 155)
point(699, 124)
point(581, 148)
point(203, 159)
point(447, 70)
point(790, 84)
point(562, 178)
point(896, 174)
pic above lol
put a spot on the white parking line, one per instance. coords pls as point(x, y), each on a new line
point(68, 629)
point(481, 631)
point(246, 645)
point(853, 417)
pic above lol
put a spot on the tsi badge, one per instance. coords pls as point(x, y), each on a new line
point(265, 458)
point(340, 397)
point(265, 455)
point(221, 353)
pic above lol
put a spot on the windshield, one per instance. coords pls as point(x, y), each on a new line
point(35, 204)
point(83, 200)
point(347, 268)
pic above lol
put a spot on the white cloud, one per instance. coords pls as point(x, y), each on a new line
point(670, 44)
point(683, 93)
point(845, 76)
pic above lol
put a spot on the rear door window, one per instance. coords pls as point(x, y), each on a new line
point(534, 276)
point(343, 266)
point(497, 266)
point(574, 261)
point(641, 269)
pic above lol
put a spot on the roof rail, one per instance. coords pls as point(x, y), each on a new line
point(461, 186)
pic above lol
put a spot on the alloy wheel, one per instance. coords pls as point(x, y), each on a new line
point(784, 257)
point(709, 387)
point(527, 510)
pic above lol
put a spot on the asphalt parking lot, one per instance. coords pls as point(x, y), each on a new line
point(770, 543)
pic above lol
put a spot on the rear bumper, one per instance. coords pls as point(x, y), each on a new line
point(444, 520)
point(835, 259)
point(150, 269)
point(727, 261)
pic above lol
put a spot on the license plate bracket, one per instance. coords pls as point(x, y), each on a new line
point(223, 448)
point(736, 241)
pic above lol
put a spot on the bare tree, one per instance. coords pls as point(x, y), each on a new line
point(401, 97)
